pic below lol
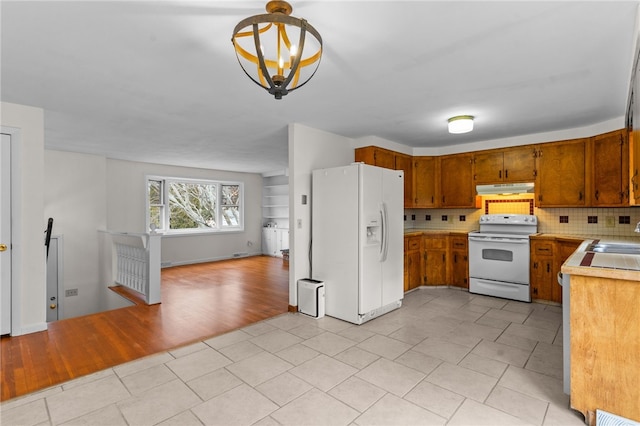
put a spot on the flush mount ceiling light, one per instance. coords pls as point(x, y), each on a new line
point(274, 49)
point(461, 124)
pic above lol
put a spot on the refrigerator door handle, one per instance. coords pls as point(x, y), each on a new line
point(384, 244)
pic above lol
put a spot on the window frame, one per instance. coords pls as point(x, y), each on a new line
point(165, 206)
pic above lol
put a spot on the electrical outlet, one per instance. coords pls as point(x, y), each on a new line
point(71, 292)
point(609, 221)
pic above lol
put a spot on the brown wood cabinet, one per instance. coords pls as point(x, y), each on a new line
point(435, 249)
point(459, 265)
point(561, 179)
point(405, 163)
point(541, 276)
point(547, 257)
point(505, 165)
point(456, 181)
point(425, 172)
point(634, 165)
point(376, 156)
point(605, 346)
point(573, 173)
point(610, 170)
point(413, 262)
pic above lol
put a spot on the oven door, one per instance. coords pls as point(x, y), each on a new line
point(499, 258)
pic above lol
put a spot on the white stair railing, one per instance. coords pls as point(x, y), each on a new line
point(136, 263)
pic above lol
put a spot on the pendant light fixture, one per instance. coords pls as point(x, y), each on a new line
point(461, 124)
point(278, 52)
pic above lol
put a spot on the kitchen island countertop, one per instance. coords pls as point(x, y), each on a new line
point(604, 265)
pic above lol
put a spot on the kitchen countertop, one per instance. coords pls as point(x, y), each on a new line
point(604, 265)
point(409, 232)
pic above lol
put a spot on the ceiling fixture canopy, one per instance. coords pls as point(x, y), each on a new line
point(275, 49)
point(461, 124)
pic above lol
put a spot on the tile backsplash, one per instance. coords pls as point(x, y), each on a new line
point(619, 221)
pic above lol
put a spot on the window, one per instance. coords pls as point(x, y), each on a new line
point(185, 205)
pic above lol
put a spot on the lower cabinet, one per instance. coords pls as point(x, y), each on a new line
point(541, 276)
point(274, 240)
point(413, 275)
point(435, 259)
point(547, 257)
point(459, 261)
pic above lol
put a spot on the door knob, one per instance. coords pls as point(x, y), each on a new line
point(3, 247)
point(52, 306)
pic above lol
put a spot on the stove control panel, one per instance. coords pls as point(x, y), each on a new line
point(509, 219)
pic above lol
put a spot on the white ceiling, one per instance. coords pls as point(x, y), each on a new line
point(158, 81)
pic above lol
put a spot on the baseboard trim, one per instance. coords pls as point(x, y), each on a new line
point(32, 328)
point(169, 264)
point(293, 309)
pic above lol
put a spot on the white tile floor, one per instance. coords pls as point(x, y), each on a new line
point(446, 357)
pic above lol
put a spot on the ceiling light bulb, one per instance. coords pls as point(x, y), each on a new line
point(461, 124)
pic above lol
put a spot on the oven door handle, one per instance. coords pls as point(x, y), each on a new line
point(499, 240)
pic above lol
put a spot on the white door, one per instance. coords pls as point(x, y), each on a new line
point(5, 234)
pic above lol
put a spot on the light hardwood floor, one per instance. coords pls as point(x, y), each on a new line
point(198, 301)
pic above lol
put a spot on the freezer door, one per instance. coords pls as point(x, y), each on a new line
point(335, 239)
point(371, 238)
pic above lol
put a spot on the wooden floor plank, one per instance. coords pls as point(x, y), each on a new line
point(198, 301)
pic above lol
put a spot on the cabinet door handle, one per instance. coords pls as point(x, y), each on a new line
point(597, 194)
point(455, 258)
point(506, 174)
point(548, 267)
point(580, 196)
point(500, 174)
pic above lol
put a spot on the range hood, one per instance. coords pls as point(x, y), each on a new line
point(505, 188)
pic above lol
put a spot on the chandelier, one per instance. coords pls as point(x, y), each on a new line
point(274, 49)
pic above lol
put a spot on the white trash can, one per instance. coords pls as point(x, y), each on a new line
point(311, 297)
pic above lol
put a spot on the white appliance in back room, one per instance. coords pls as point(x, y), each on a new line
point(357, 240)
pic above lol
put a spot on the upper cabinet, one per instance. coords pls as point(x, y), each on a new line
point(404, 162)
point(376, 156)
point(505, 165)
point(424, 182)
point(588, 172)
point(610, 170)
point(561, 179)
point(456, 181)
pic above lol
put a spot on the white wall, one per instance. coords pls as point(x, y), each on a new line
point(28, 221)
point(126, 193)
point(309, 149)
point(75, 198)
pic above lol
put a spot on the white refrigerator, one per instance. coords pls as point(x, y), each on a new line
point(357, 240)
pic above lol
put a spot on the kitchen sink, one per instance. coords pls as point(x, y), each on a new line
point(616, 248)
